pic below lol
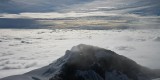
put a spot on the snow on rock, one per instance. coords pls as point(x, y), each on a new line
point(85, 62)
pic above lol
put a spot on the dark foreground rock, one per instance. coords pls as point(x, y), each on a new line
point(85, 62)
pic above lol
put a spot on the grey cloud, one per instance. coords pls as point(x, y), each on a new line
point(142, 7)
point(152, 9)
point(18, 23)
point(15, 6)
point(157, 39)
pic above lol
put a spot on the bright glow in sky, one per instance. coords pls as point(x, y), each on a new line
point(55, 15)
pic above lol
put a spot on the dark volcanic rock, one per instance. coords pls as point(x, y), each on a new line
point(84, 62)
point(92, 63)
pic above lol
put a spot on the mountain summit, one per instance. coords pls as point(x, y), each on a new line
point(85, 62)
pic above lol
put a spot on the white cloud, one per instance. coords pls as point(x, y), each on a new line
point(55, 15)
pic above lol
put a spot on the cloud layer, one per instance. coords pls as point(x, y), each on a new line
point(23, 49)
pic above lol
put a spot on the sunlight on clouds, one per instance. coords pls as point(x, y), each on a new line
point(72, 14)
point(75, 19)
point(55, 15)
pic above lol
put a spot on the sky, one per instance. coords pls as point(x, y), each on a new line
point(142, 7)
point(31, 9)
